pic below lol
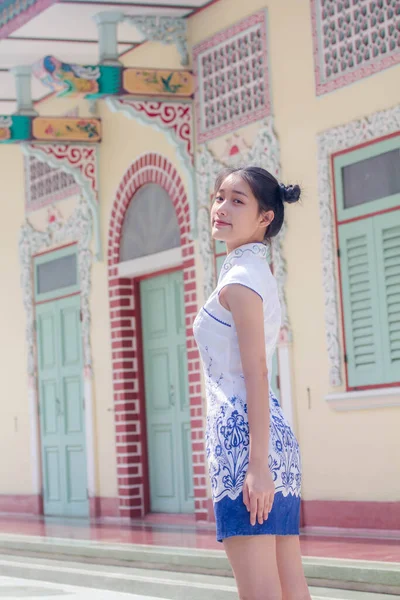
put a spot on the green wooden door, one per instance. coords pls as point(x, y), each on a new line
point(61, 407)
point(167, 394)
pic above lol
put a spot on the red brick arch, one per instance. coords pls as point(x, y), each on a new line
point(129, 402)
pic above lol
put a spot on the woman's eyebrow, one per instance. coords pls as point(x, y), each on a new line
point(233, 191)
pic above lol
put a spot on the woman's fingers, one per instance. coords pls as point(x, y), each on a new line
point(253, 508)
point(260, 510)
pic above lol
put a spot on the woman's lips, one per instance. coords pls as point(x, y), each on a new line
point(218, 223)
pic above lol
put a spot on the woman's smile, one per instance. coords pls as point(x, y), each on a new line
point(219, 223)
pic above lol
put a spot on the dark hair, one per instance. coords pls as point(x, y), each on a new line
point(269, 193)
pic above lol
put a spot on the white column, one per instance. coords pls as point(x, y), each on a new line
point(23, 90)
point(35, 439)
point(107, 23)
point(90, 433)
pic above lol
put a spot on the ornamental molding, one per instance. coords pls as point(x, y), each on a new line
point(175, 121)
point(15, 13)
point(330, 141)
point(81, 162)
point(78, 227)
point(168, 30)
point(352, 39)
point(265, 153)
point(232, 73)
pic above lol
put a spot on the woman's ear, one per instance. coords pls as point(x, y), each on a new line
point(267, 218)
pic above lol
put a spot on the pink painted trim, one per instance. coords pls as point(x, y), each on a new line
point(25, 16)
point(21, 504)
point(351, 514)
point(324, 87)
point(220, 37)
point(104, 508)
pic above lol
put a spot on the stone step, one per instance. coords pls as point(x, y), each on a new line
point(366, 576)
point(28, 577)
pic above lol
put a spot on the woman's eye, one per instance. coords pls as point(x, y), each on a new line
point(218, 199)
point(238, 201)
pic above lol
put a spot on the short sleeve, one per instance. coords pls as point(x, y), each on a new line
point(248, 276)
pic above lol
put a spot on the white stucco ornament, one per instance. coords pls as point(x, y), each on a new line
point(77, 227)
point(330, 141)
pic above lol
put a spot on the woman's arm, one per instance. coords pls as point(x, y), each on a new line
point(247, 312)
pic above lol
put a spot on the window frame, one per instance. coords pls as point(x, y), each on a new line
point(368, 210)
point(49, 256)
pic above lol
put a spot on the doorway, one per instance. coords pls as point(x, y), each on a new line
point(60, 384)
point(167, 394)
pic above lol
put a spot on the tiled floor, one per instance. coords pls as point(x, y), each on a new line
point(187, 534)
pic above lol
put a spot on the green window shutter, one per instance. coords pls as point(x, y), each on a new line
point(387, 240)
point(361, 303)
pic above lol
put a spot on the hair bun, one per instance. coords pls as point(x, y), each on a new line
point(290, 193)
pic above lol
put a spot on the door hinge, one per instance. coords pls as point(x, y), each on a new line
point(34, 325)
point(80, 315)
point(278, 382)
point(87, 493)
point(338, 253)
point(346, 360)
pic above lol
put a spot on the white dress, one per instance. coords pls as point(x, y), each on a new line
point(227, 431)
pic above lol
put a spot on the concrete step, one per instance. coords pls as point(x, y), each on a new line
point(28, 578)
point(365, 576)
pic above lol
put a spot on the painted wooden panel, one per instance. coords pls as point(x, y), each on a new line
point(163, 479)
point(167, 393)
point(159, 382)
point(70, 336)
point(51, 473)
point(47, 353)
point(76, 477)
point(361, 303)
point(387, 239)
point(61, 407)
point(73, 405)
point(49, 406)
point(156, 299)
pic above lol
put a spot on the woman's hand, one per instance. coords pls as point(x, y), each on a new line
point(258, 491)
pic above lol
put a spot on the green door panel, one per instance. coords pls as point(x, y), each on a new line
point(387, 242)
point(362, 320)
point(167, 394)
point(60, 367)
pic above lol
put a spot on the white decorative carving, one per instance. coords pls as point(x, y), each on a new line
point(175, 121)
point(331, 141)
point(80, 161)
point(77, 228)
point(265, 153)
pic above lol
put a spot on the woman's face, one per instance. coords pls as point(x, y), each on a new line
point(235, 216)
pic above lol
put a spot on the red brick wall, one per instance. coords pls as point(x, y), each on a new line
point(129, 402)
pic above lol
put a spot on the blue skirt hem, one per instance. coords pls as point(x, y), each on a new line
point(233, 519)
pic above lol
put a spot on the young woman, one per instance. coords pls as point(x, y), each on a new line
point(253, 455)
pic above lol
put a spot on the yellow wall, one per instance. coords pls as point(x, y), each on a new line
point(337, 448)
point(15, 472)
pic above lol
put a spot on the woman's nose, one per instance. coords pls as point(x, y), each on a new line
point(221, 210)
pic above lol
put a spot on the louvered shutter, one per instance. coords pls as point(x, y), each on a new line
point(387, 240)
point(358, 262)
